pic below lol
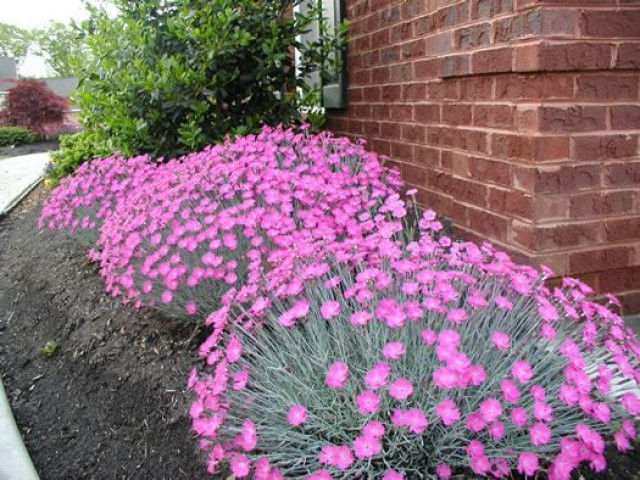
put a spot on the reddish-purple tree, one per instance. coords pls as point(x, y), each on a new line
point(31, 104)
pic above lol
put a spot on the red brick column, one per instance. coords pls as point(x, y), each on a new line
point(518, 119)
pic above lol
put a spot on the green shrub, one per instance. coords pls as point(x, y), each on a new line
point(74, 150)
point(172, 77)
point(17, 136)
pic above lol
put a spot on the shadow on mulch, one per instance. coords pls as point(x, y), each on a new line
point(112, 401)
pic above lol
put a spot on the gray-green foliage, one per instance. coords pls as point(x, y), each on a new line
point(168, 77)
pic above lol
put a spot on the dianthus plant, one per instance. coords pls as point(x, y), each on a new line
point(181, 234)
point(440, 358)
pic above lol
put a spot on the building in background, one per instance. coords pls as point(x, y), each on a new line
point(517, 119)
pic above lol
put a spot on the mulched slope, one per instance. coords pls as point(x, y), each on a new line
point(112, 403)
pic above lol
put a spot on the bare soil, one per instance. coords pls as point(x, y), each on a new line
point(112, 401)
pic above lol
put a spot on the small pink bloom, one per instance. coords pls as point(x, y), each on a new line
point(429, 337)
point(400, 389)
point(540, 434)
point(538, 392)
point(366, 446)
point(457, 316)
point(367, 402)
point(338, 456)
point(496, 430)
point(568, 394)
point(622, 442)
point(528, 463)
point(510, 391)
point(240, 466)
point(522, 371)
point(297, 415)
point(448, 412)
point(477, 375)
point(590, 437)
point(337, 375)
point(377, 376)
point(373, 428)
point(445, 378)
point(449, 339)
point(392, 475)
point(490, 409)
point(475, 448)
point(519, 416)
point(330, 309)
point(191, 307)
point(631, 402)
point(393, 350)
point(480, 464)
point(475, 423)
point(360, 318)
point(443, 471)
point(542, 411)
point(500, 340)
point(234, 350)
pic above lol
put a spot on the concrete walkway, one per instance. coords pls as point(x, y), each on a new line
point(18, 175)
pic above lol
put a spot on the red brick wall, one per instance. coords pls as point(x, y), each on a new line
point(518, 119)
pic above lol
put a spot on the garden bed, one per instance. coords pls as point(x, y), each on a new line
point(111, 402)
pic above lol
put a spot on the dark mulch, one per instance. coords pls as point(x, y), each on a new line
point(112, 402)
point(30, 148)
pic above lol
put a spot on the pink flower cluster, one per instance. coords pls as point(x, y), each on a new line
point(447, 343)
point(341, 346)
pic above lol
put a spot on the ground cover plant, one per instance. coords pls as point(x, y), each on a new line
point(439, 357)
point(343, 344)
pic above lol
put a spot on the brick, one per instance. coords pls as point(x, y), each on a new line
point(380, 75)
point(630, 302)
point(534, 87)
point(489, 8)
point(607, 87)
point(380, 39)
point(550, 207)
point(499, 116)
point(413, 8)
point(390, 130)
point(462, 139)
point(476, 88)
point(493, 226)
point(490, 171)
point(628, 56)
point(362, 77)
point(527, 58)
point(414, 175)
point(468, 192)
point(473, 36)
point(572, 119)
point(402, 113)
point(548, 148)
point(389, 54)
point(361, 44)
point(624, 230)
point(439, 44)
point(604, 147)
point(424, 24)
point(390, 15)
point(425, 69)
point(567, 178)
point(596, 204)
point(575, 56)
point(413, 133)
point(443, 90)
point(372, 129)
point(414, 92)
point(382, 147)
point(622, 280)
point(453, 15)
point(402, 32)
point(511, 202)
point(427, 156)
point(610, 24)
point(460, 165)
point(554, 237)
point(401, 73)
point(622, 174)
point(517, 27)
point(427, 113)
point(625, 117)
point(362, 110)
point(512, 146)
point(456, 114)
point(456, 65)
point(559, 23)
point(595, 260)
point(390, 93)
point(381, 111)
point(496, 60)
point(414, 49)
point(403, 151)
